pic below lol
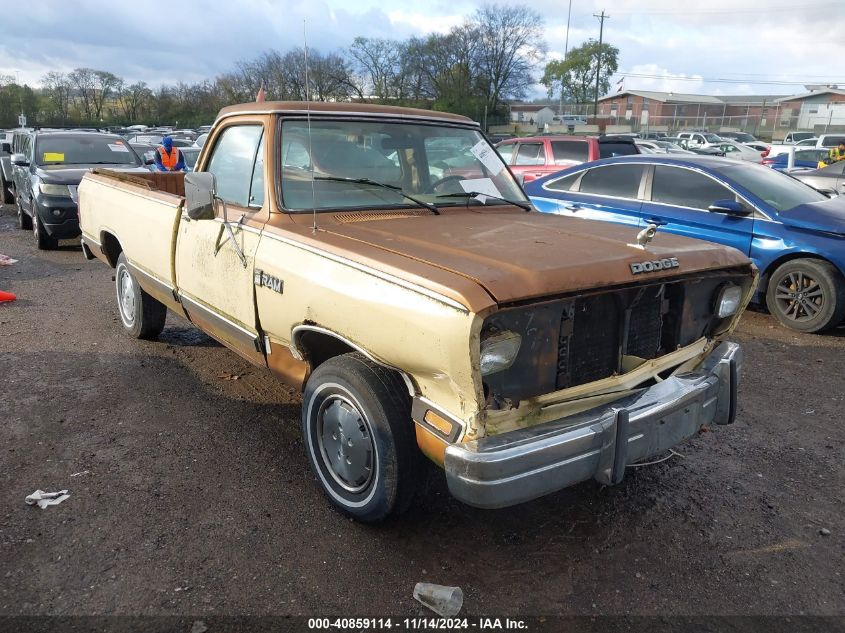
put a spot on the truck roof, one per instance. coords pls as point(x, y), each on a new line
point(321, 107)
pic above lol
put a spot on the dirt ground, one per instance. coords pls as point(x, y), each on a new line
point(191, 494)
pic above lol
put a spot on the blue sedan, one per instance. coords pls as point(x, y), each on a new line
point(794, 234)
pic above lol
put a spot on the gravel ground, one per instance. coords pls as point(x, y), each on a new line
point(191, 494)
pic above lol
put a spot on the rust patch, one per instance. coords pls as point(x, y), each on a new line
point(290, 370)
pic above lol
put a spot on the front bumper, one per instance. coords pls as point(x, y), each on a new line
point(506, 469)
point(59, 216)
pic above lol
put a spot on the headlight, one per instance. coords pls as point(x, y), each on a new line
point(727, 302)
point(54, 190)
point(498, 351)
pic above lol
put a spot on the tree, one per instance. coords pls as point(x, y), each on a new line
point(510, 45)
point(379, 64)
point(575, 77)
point(82, 82)
point(56, 87)
point(133, 99)
point(104, 83)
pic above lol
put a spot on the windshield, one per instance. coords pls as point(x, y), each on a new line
point(83, 150)
point(712, 138)
point(778, 190)
point(424, 161)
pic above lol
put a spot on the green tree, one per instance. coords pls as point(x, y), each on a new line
point(575, 77)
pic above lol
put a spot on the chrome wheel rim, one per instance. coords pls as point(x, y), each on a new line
point(345, 443)
point(799, 297)
point(126, 296)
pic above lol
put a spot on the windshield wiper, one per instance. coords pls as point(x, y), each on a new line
point(475, 194)
point(383, 185)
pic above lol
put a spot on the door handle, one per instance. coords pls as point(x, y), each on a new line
point(655, 221)
point(572, 206)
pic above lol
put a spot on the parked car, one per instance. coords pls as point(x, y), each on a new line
point(793, 233)
point(820, 141)
point(508, 346)
point(792, 138)
point(14, 143)
point(201, 139)
point(739, 137)
point(808, 158)
point(738, 151)
point(662, 147)
point(697, 140)
point(761, 147)
point(829, 180)
point(536, 156)
point(155, 139)
point(49, 171)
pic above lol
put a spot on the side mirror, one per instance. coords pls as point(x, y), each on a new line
point(20, 160)
point(199, 195)
point(728, 207)
point(6, 148)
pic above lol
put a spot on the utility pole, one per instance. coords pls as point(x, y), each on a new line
point(565, 54)
point(602, 17)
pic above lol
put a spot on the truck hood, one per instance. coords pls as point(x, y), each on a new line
point(64, 175)
point(518, 256)
point(827, 216)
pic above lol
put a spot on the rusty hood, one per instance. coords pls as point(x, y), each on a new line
point(518, 256)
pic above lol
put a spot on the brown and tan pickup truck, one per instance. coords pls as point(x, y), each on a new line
point(386, 262)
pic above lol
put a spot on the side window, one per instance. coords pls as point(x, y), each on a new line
point(620, 181)
point(232, 162)
point(506, 152)
point(256, 193)
point(565, 183)
point(567, 151)
point(531, 154)
point(686, 188)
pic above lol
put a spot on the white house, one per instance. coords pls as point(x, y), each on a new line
point(537, 115)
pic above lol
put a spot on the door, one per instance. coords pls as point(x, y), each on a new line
point(214, 273)
point(679, 200)
point(610, 193)
point(530, 159)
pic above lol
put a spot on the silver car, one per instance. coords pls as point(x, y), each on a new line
point(829, 180)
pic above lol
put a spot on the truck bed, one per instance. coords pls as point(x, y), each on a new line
point(146, 225)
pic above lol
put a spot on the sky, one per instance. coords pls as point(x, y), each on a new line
point(720, 47)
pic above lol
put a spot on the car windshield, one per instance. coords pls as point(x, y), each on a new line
point(712, 138)
point(426, 161)
point(83, 149)
point(778, 190)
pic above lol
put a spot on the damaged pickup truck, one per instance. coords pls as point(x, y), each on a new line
point(386, 262)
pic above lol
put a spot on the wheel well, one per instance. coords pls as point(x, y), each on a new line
point(318, 346)
point(111, 248)
point(765, 275)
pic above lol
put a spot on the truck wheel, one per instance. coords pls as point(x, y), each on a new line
point(42, 240)
point(24, 221)
point(7, 197)
point(141, 315)
point(356, 420)
point(807, 295)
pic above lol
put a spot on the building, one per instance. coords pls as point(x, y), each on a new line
point(822, 108)
point(538, 115)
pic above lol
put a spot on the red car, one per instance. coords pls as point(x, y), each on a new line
point(536, 156)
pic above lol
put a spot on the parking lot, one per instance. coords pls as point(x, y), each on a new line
point(191, 493)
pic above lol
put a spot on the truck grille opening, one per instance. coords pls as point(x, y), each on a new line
point(573, 341)
point(597, 331)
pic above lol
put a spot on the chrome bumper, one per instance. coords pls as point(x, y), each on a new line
point(506, 469)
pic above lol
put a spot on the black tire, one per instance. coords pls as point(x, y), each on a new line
point(370, 405)
point(42, 240)
point(6, 196)
point(141, 315)
point(807, 295)
point(24, 221)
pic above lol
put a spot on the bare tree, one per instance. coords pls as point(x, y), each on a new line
point(104, 84)
point(510, 46)
point(133, 99)
point(379, 63)
point(82, 82)
point(57, 88)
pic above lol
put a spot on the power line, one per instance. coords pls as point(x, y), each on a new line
point(601, 18)
point(726, 80)
point(764, 9)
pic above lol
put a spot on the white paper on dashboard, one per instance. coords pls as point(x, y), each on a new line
point(482, 186)
point(488, 156)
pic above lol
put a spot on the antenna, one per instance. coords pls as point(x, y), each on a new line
point(308, 118)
